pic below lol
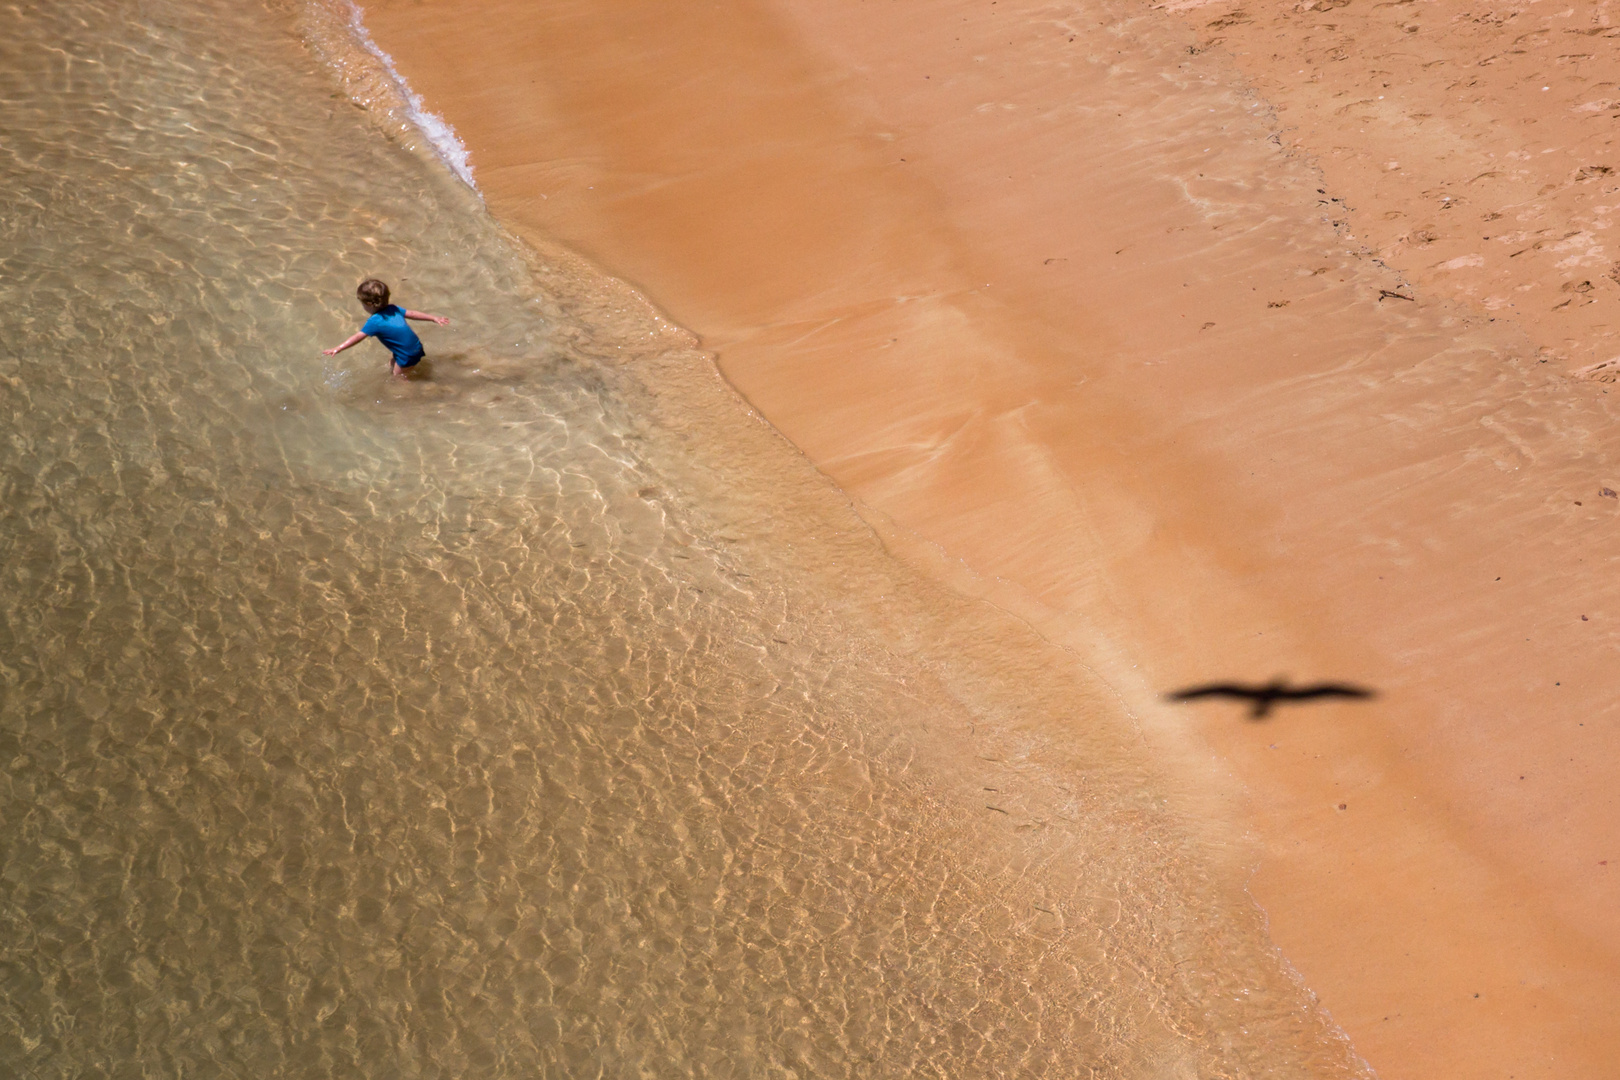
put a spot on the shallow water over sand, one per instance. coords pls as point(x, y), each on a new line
point(540, 716)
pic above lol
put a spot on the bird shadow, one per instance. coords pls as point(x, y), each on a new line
point(1263, 697)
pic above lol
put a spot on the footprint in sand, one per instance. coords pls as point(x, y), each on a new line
point(1604, 371)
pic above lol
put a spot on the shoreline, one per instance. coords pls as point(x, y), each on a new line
point(881, 230)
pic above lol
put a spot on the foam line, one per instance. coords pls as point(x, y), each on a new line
point(437, 130)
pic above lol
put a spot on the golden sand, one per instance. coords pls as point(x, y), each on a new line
point(1217, 345)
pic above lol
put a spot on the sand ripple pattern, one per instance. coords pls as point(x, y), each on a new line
point(357, 730)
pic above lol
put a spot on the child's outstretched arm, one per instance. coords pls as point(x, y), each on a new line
point(422, 316)
point(351, 343)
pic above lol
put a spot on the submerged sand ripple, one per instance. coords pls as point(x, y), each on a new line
point(516, 720)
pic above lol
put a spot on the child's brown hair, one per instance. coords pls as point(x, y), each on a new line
point(373, 294)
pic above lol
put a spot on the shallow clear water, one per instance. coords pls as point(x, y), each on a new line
point(539, 716)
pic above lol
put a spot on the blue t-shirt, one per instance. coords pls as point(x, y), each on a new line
point(389, 327)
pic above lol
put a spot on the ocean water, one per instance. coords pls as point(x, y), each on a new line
point(543, 715)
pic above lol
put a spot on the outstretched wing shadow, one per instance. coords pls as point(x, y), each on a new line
point(1263, 697)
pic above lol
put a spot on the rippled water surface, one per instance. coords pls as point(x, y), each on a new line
point(541, 716)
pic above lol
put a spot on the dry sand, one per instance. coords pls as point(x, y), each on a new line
point(1217, 345)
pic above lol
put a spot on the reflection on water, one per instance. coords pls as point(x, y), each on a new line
point(481, 725)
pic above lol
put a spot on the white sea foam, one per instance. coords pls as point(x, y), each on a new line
point(446, 144)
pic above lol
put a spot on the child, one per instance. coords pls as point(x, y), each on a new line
point(387, 324)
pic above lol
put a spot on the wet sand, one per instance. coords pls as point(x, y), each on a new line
point(1118, 318)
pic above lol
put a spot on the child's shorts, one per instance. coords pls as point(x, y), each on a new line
point(409, 361)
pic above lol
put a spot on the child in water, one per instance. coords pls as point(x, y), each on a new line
point(387, 324)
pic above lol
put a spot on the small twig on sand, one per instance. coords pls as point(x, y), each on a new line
point(1382, 293)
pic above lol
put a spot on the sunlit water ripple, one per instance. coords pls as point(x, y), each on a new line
point(527, 719)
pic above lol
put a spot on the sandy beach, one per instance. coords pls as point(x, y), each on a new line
point(1218, 346)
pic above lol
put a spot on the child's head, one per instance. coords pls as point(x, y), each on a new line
point(373, 295)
